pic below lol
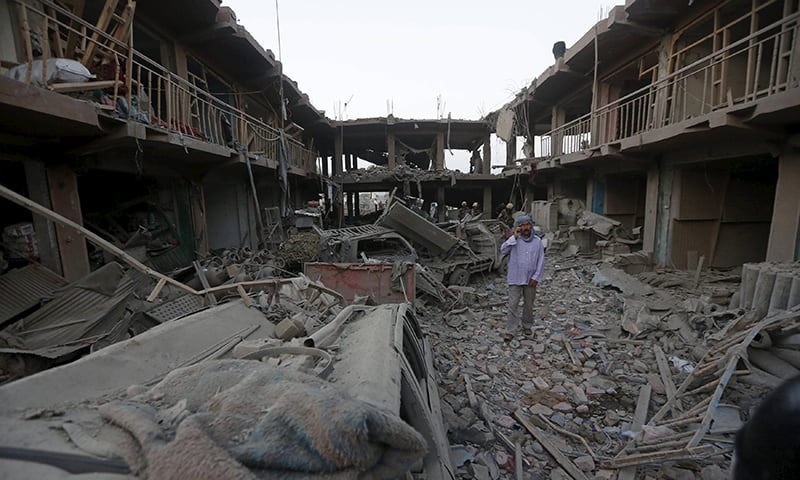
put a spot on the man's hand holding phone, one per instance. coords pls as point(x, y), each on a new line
point(516, 233)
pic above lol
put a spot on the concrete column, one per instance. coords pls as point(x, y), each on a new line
point(338, 152)
point(660, 112)
point(350, 204)
point(784, 240)
point(487, 201)
point(651, 209)
point(529, 198)
point(440, 151)
point(390, 148)
point(325, 161)
point(668, 199)
point(440, 214)
point(552, 189)
point(356, 203)
point(487, 155)
point(353, 161)
point(511, 151)
point(39, 192)
point(74, 254)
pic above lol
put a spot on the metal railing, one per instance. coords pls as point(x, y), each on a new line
point(750, 69)
point(137, 88)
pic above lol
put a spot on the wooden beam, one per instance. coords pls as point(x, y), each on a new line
point(666, 379)
point(639, 417)
point(64, 198)
point(692, 453)
point(541, 437)
point(83, 86)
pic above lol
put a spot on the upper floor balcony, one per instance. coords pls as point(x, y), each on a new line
point(756, 76)
point(127, 86)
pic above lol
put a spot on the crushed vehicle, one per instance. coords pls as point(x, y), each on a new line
point(450, 258)
point(219, 385)
point(365, 243)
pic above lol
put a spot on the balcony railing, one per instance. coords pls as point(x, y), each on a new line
point(750, 69)
point(134, 87)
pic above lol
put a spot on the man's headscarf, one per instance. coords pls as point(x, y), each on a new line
point(523, 219)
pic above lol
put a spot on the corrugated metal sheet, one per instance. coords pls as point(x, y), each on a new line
point(23, 288)
point(87, 308)
point(176, 308)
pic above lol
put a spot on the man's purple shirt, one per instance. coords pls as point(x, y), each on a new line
point(525, 260)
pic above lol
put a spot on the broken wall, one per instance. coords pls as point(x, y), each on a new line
point(723, 211)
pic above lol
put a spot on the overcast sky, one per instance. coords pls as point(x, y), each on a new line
point(473, 55)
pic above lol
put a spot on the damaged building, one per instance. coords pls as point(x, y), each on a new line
point(410, 155)
point(679, 119)
point(166, 128)
point(203, 276)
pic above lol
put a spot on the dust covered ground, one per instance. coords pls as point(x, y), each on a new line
point(577, 374)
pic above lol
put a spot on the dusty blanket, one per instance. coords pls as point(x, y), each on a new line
point(241, 419)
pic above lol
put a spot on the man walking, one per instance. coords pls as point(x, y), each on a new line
point(525, 268)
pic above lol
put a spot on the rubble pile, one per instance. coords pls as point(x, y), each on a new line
point(605, 354)
point(246, 264)
point(572, 230)
point(400, 173)
point(299, 248)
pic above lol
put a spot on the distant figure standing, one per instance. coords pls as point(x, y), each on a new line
point(507, 215)
point(525, 268)
point(463, 211)
point(476, 210)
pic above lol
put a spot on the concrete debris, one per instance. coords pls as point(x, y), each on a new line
point(565, 391)
point(401, 173)
point(571, 229)
point(628, 285)
point(595, 398)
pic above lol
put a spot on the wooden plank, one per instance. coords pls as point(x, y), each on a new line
point(204, 281)
point(712, 407)
point(697, 272)
point(154, 294)
point(83, 86)
point(693, 453)
point(570, 352)
point(666, 379)
point(541, 437)
point(639, 417)
point(245, 297)
point(65, 201)
point(26, 38)
point(102, 25)
point(473, 400)
point(44, 38)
